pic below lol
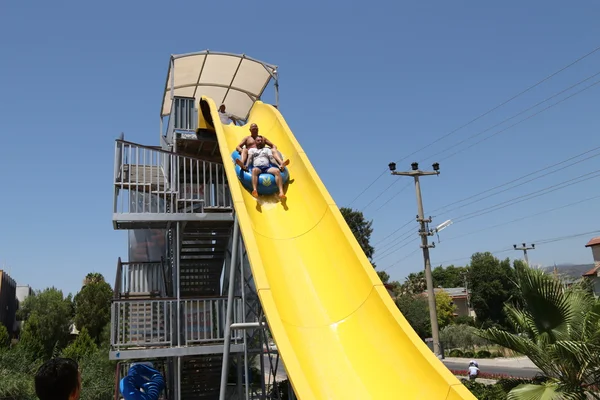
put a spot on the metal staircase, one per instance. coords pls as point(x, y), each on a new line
point(170, 303)
point(202, 257)
point(200, 377)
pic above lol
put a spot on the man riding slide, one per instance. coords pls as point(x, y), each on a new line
point(262, 160)
point(249, 142)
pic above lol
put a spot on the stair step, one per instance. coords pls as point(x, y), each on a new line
point(201, 252)
point(200, 378)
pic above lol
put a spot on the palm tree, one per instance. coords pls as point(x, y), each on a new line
point(558, 328)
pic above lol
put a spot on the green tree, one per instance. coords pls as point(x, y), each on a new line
point(4, 337)
point(47, 316)
point(449, 277)
point(415, 309)
point(491, 283)
point(445, 308)
point(81, 347)
point(558, 327)
point(361, 228)
point(414, 283)
point(92, 306)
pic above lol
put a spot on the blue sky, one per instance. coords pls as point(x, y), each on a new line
point(361, 85)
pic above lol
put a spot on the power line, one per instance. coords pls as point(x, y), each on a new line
point(521, 121)
point(522, 218)
point(503, 103)
point(523, 198)
point(517, 179)
point(478, 118)
point(391, 234)
point(382, 192)
point(514, 200)
point(522, 183)
point(386, 252)
point(402, 259)
point(514, 116)
point(537, 242)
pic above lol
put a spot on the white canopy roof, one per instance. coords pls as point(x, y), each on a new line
point(231, 79)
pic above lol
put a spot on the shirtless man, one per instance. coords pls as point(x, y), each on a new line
point(263, 160)
point(249, 142)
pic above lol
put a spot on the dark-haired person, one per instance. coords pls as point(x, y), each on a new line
point(58, 379)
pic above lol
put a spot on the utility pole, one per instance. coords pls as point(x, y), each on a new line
point(424, 233)
point(525, 248)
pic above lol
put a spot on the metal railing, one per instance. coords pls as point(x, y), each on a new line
point(183, 117)
point(150, 180)
point(141, 278)
point(152, 323)
point(205, 320)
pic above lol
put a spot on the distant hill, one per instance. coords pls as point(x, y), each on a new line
point(571, 270)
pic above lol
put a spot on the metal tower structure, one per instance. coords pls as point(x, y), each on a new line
point(185, 298)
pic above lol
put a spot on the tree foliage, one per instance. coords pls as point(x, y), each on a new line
point(449, 277)
point(491, 283)
point(47, 316)
point(81, 347)
point(45, 334)
point(414, 283)
point(461, 336)
point(4, 337)
point(445, 308)
point(92, 306)
point(415, 308)
point(558, 327)
point(416, 311)
point(361, 228)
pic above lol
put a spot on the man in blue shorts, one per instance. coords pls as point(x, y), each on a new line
point(262, 160)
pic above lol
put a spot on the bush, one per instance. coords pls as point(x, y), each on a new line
point(497, 354)
point(483, 354)
point(461, 336)
point(464, 320)
point(485, 392)
point(97, 376)
point(468, 354)
point(455, 353)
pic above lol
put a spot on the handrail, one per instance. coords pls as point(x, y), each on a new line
point(117, 287)
point(156, 181)
point(153, 322)
point(175, 298)
point(158, 149)
point(168, 289)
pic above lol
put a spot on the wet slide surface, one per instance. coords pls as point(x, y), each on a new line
point(338, 331)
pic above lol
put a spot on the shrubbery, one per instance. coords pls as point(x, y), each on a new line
point(45, 334)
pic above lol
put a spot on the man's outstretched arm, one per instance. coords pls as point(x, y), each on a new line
point(242, 143)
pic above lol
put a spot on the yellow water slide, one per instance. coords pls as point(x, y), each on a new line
point(338, 331)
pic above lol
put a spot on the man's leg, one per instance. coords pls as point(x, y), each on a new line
point(278, 180)
point(244, 157)
point(282, 164)
point(255, 173)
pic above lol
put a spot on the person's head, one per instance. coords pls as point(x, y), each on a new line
point(222, 108)
point(58, 379)
point(253, 129)
point(260, 142)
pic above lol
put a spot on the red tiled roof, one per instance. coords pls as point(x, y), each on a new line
point(593, 271)
point(593, 242)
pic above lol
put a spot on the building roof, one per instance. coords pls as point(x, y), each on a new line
point(593, 242)
point(594, 271)
point(235, 80)
point(453, 292)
